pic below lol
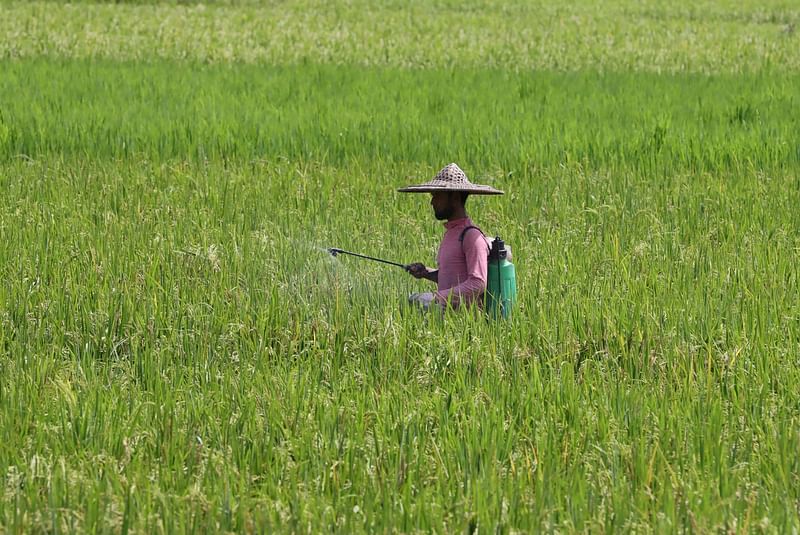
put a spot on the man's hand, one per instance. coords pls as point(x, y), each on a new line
point(417, 270)
point(421, 272)
point(423, 300)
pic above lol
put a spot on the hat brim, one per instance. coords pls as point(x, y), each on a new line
point(472, 189)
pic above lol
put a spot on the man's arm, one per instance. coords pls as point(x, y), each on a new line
point(419, 271)
point(476, 253)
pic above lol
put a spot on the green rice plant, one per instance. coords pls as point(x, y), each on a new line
point(173, 364)
point(179, 353)
point(504, 123)
point(623, 35)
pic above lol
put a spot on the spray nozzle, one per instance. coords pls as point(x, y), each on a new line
point(334, 251)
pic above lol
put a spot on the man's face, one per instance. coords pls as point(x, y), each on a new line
point(442, 203)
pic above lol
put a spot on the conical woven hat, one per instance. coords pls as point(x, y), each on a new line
point(451, 178)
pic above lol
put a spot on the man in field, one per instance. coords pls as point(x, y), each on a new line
point(462, 259)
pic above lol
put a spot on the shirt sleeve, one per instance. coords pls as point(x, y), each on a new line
point(476, 252)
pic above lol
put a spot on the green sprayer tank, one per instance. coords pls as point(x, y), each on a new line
point(501, 286)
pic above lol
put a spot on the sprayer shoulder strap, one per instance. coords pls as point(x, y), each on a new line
point(463, 232)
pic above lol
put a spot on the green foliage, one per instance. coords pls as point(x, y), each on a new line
point(652, 123)
point(619, 35)
point(179, 353)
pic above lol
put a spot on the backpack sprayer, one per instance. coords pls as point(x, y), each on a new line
point(501, 283)
point(501, 277)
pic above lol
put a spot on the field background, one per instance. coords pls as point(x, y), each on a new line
point(179, 354)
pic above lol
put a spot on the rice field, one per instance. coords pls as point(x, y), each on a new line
point(179, 353)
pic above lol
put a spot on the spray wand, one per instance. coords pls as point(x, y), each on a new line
point(334, 251)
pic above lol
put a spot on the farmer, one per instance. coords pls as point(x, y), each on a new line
point(462, 259)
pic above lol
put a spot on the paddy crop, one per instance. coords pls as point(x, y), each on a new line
point(180, 353)
point(706, 36)
point(494, 118)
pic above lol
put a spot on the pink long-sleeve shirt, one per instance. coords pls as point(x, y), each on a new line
point(462, 266)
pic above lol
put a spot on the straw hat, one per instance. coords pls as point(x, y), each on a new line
point(451, 178)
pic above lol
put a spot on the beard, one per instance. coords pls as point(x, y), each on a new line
point(444, 213)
